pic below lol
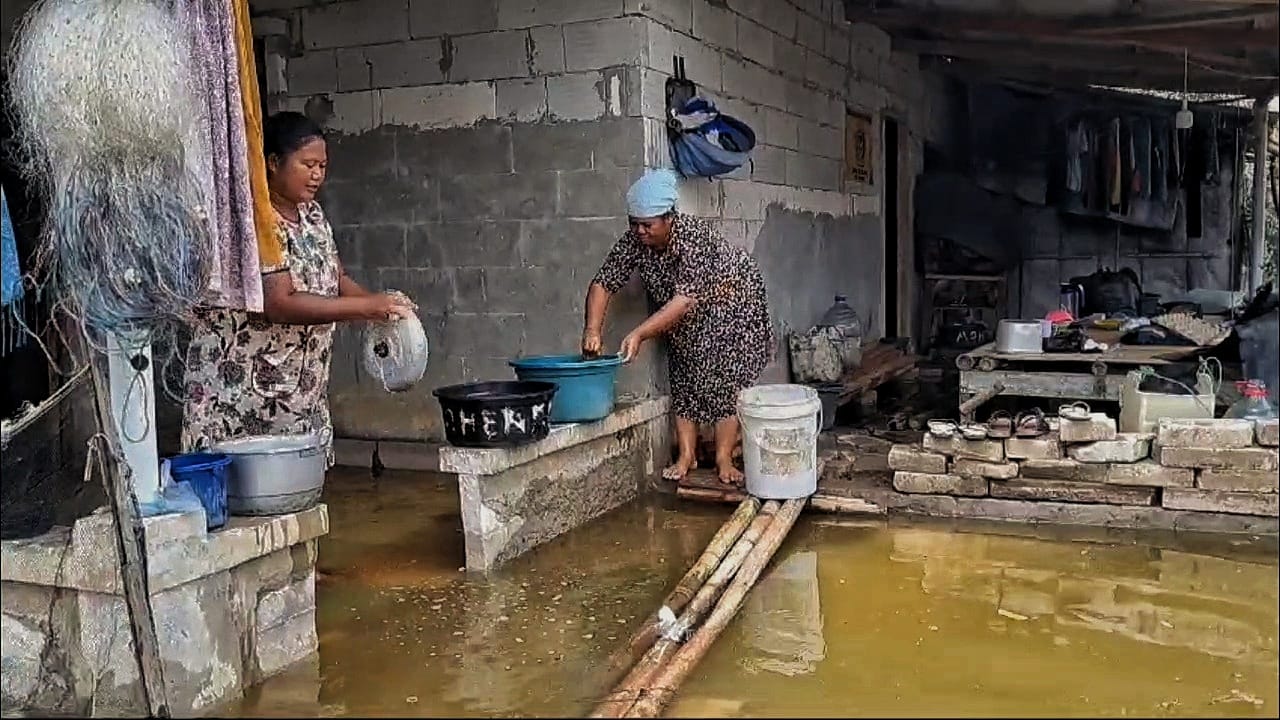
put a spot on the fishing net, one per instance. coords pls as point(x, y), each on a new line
point(105, 127)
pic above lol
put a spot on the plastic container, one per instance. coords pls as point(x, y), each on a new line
point(1260, 351)
point(1254, 403)
point(206, 474)
point(780, 440)
point(496, 414)
point(585, 388)
point(1141, 411)
point(844, 319)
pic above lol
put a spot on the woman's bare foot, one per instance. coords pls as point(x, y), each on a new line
point(728, 473)
point(678, 469)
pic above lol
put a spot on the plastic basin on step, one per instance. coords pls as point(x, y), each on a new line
point(206, 473)
point(585, 387)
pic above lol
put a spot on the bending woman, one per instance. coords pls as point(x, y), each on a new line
point(713, 312)
point(268, 374)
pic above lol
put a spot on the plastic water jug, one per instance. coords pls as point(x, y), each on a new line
point(844, 320)
point(1255, 405)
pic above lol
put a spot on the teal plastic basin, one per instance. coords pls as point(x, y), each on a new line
point(585, 387)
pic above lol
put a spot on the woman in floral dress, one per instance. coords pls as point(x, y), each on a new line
point(268, 374)
point(713, 311)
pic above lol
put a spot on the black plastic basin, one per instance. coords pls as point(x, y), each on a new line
point(496, 414)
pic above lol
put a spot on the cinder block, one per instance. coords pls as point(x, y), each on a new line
point(516, 196)
point(1204, 433)
point(779, 17)
point(811, 171)
point(1238, 480)
point(1252, 458)
point(439, 106)
point(1126, 448)
point(312, 73)
point(528, 13)
point(359, 22)
point(909, 458)
point(576, 96)
point(396, 65)
point(489, 56)
point(870, 37)
point(492, 243)
point(926, 484)
point(594, 193)
point(1046, 447)
point(605, 43)
point(1069, 470)
point(714, 25)
point(753, 82)
point(485, 148)
point(959, 448)
point(1074, 492)
point(781, 129)
point(1239, 503)
point(989, 470)
point(1098, 427)
point(837, 43)
point(769, 164)
point(1268, 432)
point(755, 42)
point(788, 57)
point(432, 18)
point(824, 73)
point(672, 13)
point(554, 146)
point(546, 50)
point(811, 32)
point(1149, 473)
point(522, 100)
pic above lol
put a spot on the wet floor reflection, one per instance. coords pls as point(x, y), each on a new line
point(852, 618)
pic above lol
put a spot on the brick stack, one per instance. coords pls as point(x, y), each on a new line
point(1224, 466)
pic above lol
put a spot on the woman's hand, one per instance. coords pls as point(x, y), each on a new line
point(591, 343)
point(631, 346)
point(386, 306)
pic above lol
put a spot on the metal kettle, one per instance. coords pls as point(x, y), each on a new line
point(1071, 298)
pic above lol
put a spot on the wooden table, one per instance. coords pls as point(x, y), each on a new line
point(1067, 376)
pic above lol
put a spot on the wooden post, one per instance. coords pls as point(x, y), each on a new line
point(131, 543)
point(1258, 229)
point(968, 407)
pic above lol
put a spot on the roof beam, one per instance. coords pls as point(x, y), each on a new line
point(1114, 25)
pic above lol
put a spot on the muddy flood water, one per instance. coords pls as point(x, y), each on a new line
point(853, 618)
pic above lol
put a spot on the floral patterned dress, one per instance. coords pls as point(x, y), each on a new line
point(724, 343)
point(248, 376)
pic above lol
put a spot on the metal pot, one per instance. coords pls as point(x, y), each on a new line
point(273, 474)
point(1019, 336)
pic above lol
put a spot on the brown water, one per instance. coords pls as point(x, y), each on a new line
point(854, 618)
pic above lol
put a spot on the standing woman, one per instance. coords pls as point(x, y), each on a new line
point(713, 312)
point(268, 374)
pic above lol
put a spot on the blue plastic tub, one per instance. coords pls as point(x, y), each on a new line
point(585, 387)
point(206, 473)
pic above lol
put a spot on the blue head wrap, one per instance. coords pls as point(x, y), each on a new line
point(654, 194)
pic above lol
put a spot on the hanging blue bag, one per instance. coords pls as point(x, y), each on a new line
point(706, 142)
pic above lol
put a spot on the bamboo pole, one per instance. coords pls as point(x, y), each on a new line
point(625, 657)
point(625, 693)
point(668, 679)
point(130, 544)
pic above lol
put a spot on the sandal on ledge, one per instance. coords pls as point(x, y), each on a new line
point(1000, 425)
point(1030, 424)
point(1078, 411)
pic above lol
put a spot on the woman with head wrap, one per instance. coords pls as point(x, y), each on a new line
point(713, 312)
point(268, 374)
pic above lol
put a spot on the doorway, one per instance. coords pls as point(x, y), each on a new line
point(889, 213)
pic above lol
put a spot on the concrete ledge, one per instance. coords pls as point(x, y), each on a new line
point(475, 461)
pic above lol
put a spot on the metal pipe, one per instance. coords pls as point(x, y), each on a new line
point(1258, 228)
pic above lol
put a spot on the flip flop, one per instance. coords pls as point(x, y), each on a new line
point(942, 428)
point(1030, 424)
point(1078, 410)
point(973, 431)
point(1000, 425)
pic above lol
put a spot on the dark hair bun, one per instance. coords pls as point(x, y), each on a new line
point(285, 132)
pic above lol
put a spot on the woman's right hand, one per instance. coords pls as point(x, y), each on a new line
point(591, 344)
point(387, 306)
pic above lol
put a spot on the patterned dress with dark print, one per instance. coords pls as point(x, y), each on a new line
point(723, 344)
point(246, 376)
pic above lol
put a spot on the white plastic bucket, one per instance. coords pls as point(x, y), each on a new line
point(780, 440)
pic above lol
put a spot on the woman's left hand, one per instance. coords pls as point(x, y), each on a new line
point(631, 346)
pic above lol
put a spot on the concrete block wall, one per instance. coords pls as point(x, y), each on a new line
point(480, 152)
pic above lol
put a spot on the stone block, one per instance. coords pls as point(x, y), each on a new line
point(1204, 433)
point(1251, 458)
point(576, 96)
point(1069, 470)
point(527, 13)
point(958, 447)
point(1047, 447)
point(1267, 432)
point(811, 171)
point(489, 56)
point(277, 607)
point(518, 196)
point(1238, 480)
point(554, 146)
point(362, 22)
point(754, 41)
point(909, 458)
point(24, 647)
point(432, 18)
point(1126, 448)
point(395, 65)
point(522, 100)
point(1098, 427)
point(607, 43)
point(439, 106)
point(315, 72)
point(1149, 473)
point(1073, 492)
point(672, 13)
point(546, 50)
point(1238, 503)
point(277, 648)
point(593, 193)
point(989, 470)
point(931, 484)
point(715, 25)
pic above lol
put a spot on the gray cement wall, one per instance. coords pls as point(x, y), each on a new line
point(480, 154)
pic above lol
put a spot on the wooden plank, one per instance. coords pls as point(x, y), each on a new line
point(1121, 355)
point(1068, 386)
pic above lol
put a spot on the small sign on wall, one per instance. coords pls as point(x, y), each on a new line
point(859, 158)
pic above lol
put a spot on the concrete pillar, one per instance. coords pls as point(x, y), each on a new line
point(1258, 234)
point(133, 406)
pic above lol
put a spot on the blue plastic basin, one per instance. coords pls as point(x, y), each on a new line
point(206, 473)
point(585, 387)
